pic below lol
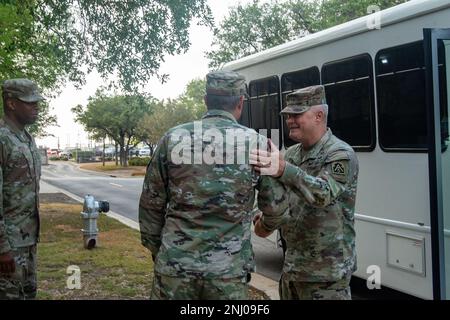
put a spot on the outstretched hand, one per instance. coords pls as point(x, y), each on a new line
point(269, 163)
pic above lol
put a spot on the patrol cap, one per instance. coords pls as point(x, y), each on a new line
point(22, 89)
point(225, 83)
point(303, 99)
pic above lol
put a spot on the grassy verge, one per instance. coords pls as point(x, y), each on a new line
point(111, 167)
point(119, 268)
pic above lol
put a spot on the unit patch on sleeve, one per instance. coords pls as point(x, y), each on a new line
point(339, 168)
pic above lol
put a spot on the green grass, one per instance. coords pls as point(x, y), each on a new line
point(118, 268)
point(110, 167)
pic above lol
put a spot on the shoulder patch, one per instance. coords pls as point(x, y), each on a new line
point(339, 168)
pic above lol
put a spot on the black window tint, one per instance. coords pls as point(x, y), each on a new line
point(292, 81)
point(402, 117)
point(265, 105)
point(443, 94)
point(349, 91)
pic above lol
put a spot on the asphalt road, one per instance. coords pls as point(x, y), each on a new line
point(123, 196)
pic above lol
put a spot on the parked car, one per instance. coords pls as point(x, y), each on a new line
point(65, 154)
point(53, 152)
point(133, 152)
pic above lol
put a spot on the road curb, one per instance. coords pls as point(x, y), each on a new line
point(258, 281)
point(126, 221)
point(99, 173)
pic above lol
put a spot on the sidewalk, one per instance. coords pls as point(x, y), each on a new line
point(266, 285)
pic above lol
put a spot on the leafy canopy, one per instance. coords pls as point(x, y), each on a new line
point(52, 41)
point(257, 26)
point(189, 106)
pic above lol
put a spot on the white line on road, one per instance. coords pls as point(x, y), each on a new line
point(115, 184)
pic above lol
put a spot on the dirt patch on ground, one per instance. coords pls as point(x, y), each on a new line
point(56, 198)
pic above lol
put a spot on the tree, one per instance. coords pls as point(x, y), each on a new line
point(26, 49)
point(166, 115)
point(257, 26)
point(193, 98)
point(22, 55)
point(50, 41)
point(187, 107)
point(114, 116)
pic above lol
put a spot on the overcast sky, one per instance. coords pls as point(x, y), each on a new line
point(181, 69)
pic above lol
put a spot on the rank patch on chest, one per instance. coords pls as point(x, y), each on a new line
point(338, 168)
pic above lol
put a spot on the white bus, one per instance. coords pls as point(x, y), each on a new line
point(387, 94)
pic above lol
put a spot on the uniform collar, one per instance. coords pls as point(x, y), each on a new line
point(21, 134)
point(219, 113)
point(314, 151)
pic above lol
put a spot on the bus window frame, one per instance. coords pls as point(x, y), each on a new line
point(372, 130)
point(282, 91)
point(278, 94)
point(388, 149)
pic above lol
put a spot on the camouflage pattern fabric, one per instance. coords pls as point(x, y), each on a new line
point(225, 83)
point(303, 99)
point(22, 284)
point(295, 290)
point(20, 170)
point(174, 288)
point(196, 218)
point(22, 89)
point(320, 233)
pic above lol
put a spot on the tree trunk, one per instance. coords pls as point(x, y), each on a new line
point(122, 152)
point(115, 155)
point(127, 152)
point(103, 155)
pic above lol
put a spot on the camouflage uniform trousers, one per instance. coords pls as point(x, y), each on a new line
point(22, 284)
point(174, 288)
point(299, 290)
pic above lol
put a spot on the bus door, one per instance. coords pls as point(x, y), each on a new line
point(437, 65)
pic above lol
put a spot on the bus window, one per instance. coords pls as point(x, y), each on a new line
point(349, 91)
point(265, 106)
point(292, 81)
point(402, 118)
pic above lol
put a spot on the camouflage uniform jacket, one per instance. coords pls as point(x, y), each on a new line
point(196, 218)
point(19, 182)
point(320, 232)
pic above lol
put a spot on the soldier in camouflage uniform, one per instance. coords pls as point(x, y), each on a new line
point(19, 182)
point(195, 216)
point(321, 175)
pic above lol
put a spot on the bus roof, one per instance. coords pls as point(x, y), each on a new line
point(396, 14)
